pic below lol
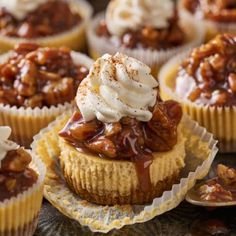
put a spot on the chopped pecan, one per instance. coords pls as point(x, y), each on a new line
point(16, 161)
point(226, 175)
point(214, 192)
point(102, 146)
point(10, 184)
point(86, 130)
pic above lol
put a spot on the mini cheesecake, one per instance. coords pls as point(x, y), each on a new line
point(122, 147)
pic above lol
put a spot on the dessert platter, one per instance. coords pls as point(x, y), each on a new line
point(119, 123)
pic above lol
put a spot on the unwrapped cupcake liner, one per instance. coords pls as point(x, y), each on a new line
point(200, 152)
point(74, 38)
point(212, 28)
point(218, 120)
point(18, 215)
point(153, 58)
point(26, 122)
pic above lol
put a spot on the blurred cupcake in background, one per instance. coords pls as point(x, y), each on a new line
point(218, 16)
point(204, 82)
point(150, 31)
point(36, 85)
point(48, 23)
point(21, 187)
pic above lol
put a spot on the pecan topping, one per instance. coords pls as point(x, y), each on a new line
point(126, 138)
point(216, 10)
point(210, 71)
point(148, 37)
point(46, 20)
point(37, 77)
point(220, 188)
point(15, 174)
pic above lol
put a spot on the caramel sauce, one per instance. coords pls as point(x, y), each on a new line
point(126, 139)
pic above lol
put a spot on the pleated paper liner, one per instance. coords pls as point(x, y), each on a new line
point(73, 38)
point(18, 215)
point(200, 152)
point(212, 28)
point(218, 120)
point(195, 35)
point(108, 182)
point(26, 122)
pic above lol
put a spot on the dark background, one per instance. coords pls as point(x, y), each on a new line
point(98, 5)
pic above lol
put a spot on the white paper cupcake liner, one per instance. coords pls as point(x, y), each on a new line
point(201, 150)
point(212, 28)
point(73, 38)
point(26, 122)
point(218, 120)
point(19, 214)
point(153, 58)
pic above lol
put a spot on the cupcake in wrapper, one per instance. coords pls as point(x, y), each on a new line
point(122, 133)
point(21, 183)
point(36, 86)
point(216, 16)
point(200, 149)
point(149, 31)
point(42, 22)
point(204, 82)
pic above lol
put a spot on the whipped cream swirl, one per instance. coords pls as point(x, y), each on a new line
point(20, 8)
point(5, 144)
point(117, 86)
point(123, 15)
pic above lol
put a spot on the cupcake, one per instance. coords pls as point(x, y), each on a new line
point(123, 145)
point(218, 16)
point(205, 84)
point(36, 85)
point(42, 22)
point(21, 187)
point(150, 31)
